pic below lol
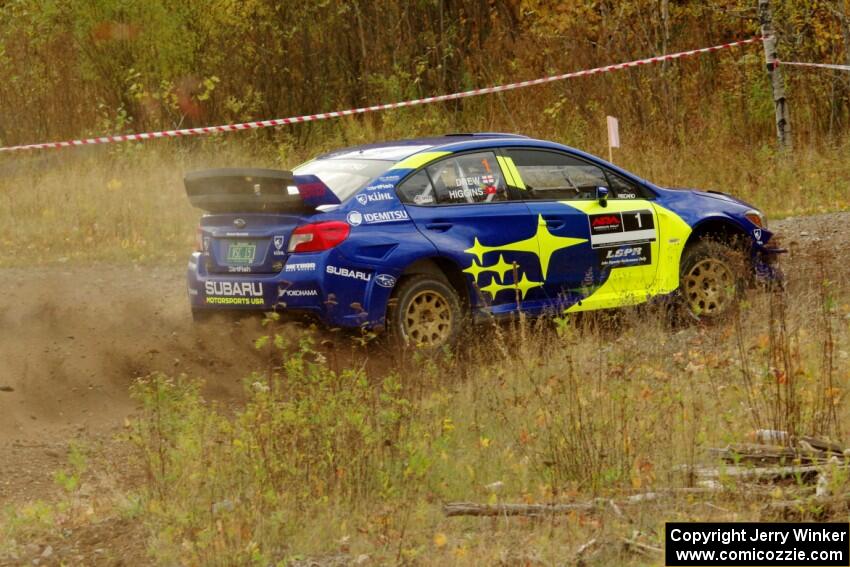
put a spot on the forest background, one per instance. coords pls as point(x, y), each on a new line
point(72, 69)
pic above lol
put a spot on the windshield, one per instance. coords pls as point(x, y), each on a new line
point(344, 176)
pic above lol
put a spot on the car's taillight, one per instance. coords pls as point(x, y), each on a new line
point(318, 236)
point(199, 240)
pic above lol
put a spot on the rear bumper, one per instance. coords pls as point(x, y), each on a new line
point(311, 284)
point(254, 292)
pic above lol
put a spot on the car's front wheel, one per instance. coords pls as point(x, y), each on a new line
point(424, 312)
point(711, 280)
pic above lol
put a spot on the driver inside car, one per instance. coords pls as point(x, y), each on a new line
point(468, 180)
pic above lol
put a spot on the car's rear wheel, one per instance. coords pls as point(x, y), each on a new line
point(425, 313)
point(711, 279)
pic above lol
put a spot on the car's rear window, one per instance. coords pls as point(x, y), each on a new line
point(344, 176)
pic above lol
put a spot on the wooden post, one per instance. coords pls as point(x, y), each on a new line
point(780, 103)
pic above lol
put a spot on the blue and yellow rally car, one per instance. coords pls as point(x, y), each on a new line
point(410, 236)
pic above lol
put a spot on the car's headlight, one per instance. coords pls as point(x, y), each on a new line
point(757, 218)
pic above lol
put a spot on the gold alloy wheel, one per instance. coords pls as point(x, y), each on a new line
point(709, 287)
point(428, 320)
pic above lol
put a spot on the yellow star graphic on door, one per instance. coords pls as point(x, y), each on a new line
point(523, 285)
point(501, 267)
point(549, 244)
point(543, 244)
point(493, 288)
point(475, 270)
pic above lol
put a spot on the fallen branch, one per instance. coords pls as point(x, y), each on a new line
point(806, 472)
point(808, 448)
point(451, 509)
point(641, 548)
point(472, 509)
point(581, 551)
point(822, 444)
point(780, 448)
point(748, 492)
point(764, 454)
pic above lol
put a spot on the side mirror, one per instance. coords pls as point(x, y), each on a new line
point(602, 196)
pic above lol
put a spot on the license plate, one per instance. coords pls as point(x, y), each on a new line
point(241, 253)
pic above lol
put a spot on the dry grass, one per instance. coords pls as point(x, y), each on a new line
point(128, 207)
point(530, 412)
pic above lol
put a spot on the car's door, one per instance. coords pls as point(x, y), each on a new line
point(463, 205)
point(614, 259)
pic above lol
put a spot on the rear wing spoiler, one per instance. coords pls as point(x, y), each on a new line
point(248, 190)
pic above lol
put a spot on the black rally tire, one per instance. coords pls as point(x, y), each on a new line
point(711, 279)
point(424, 312)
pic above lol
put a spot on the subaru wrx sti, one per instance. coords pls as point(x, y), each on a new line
point(412, 236)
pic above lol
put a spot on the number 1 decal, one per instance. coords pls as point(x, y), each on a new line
point(609, 229)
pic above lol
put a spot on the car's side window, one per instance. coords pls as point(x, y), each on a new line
point(622, 188)
point(463, 179)
point(468, 178)
point(556, 176)
point(417, 189)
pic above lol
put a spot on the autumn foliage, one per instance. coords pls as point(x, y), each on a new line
point(69, 69)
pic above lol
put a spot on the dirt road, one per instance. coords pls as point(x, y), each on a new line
point(73, 338)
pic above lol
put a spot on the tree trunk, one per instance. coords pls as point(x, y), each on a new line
point(783, 122)
point(845, 35)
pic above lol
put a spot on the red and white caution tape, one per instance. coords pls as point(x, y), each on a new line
point(337, 114)
point(818, 65)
